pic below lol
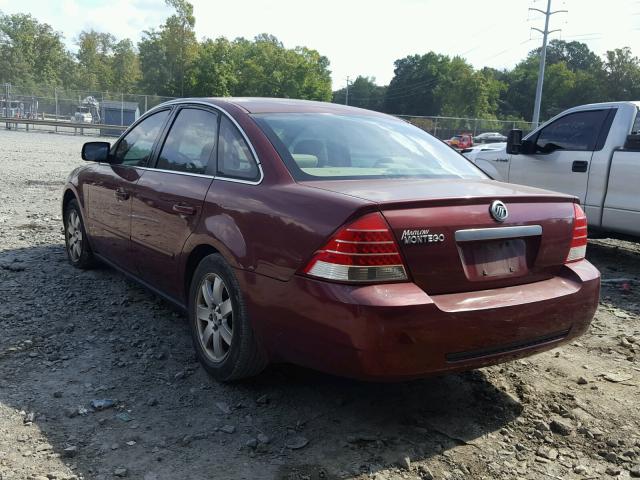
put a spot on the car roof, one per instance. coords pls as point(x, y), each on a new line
point(591, 106)
point(281, 105)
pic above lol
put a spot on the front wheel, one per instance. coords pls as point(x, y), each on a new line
point(75, 237)
point(222, 336)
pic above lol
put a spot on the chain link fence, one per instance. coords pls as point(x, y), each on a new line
point(122, 109)
point(447, 127)
point(79, 106)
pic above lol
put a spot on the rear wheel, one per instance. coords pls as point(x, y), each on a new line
point(75, 237)
point(220, 328)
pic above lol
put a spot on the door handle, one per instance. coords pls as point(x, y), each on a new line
point(183, 209)
point(121, 194)
point(580, 166)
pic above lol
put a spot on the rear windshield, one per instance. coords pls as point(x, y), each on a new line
point(321, 145)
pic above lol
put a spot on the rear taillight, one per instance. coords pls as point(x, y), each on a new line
point(578, 248)
point(361, 251)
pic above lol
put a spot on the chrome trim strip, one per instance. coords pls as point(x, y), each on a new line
point(176, 172)
point(186, 101)
point(238, 180)
point(498, 233)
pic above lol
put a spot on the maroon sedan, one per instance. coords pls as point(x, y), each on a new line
point(332, 237)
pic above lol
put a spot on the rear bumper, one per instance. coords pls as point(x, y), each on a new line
point(397, 331)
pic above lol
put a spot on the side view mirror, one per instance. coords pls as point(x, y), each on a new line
point(514, 141)
point(96, 151)
point(632, 142)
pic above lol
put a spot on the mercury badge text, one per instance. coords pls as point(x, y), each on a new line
point(411, 237)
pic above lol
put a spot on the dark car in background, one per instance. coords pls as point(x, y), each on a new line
point(490, 137)
point(336, 238)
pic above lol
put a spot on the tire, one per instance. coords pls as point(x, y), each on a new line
point(75, 238)
point(221, 331)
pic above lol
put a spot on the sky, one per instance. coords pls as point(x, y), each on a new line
point(365, 37)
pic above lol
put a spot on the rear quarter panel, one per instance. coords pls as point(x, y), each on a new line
point(269, 229)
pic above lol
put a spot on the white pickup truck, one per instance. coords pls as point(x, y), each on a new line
point(590, 151)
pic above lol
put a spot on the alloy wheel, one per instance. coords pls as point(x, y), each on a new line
point(214, 313)
point(74, 236)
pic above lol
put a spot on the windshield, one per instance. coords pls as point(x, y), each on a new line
point(321, 145)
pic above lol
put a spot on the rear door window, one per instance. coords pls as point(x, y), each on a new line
point(136, 147)
point(234, 156)
point(576, 131)
point(190, 143)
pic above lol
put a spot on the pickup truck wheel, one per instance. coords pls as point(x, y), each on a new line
point(222, 336)
point(75, 237)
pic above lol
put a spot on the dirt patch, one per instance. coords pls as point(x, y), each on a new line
point(98, 380)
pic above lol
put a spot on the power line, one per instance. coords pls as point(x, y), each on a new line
point(411, 89)
point(502, 52)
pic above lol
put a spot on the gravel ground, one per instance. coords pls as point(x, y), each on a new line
point(70, 338)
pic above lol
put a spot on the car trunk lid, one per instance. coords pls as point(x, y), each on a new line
point(451, 242)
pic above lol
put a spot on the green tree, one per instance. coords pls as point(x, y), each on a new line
point(94, 60)
point(168, 55)
point(312, 74)
point(363, 93)
point(466, 92)
point(622, 70)
point(576, 55)
point(156, 76)
point(434, 84)
point(181, 44)
point(560, 82)
point(266, 68)
point(574, 75)
point(215, 68)
point(31, 53)
point(125, 67)
point(412, 88)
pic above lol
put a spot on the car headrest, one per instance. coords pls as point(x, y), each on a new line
point(304, 160)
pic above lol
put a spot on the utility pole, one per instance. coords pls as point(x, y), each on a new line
point(55, 96)
point(346, 98)
point(543, 58)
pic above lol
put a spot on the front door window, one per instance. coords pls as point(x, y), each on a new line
point(136, 147)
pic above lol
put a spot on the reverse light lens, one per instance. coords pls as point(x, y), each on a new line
point(362, 251)
point(578, 248)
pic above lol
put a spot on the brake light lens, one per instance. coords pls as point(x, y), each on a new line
point(578, 248)
point(363, 251)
